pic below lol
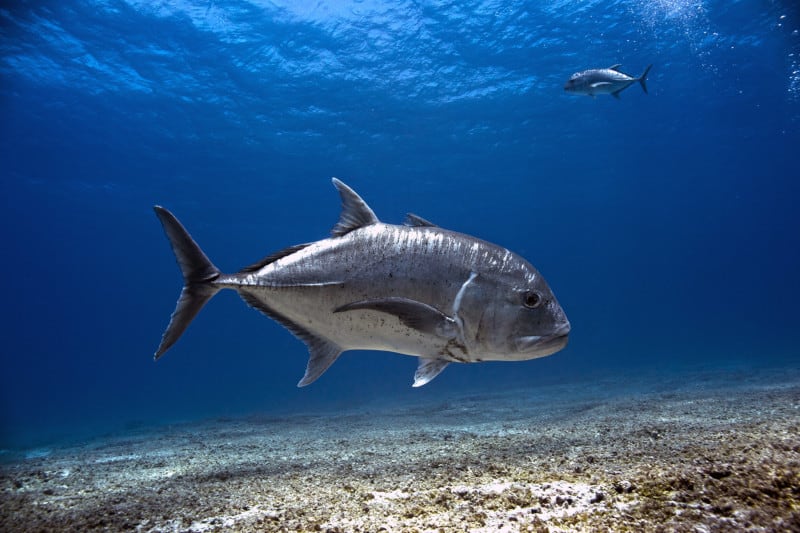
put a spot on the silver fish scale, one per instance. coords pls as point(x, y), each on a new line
point(426, 264)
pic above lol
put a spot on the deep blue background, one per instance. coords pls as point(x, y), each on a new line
point(667, 224)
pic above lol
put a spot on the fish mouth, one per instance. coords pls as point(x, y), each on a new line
point(542, 345)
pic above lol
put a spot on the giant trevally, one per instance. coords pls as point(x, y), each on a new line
point(604, 81)
point(415, 289)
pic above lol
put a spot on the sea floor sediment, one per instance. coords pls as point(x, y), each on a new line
point(709, 452)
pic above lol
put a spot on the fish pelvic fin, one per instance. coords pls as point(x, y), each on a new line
point(199, 274)
point(427, 370)
point(643, 78)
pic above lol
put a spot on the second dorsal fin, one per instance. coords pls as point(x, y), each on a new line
point(255, 267)
point(355, 211)
point(418, 222)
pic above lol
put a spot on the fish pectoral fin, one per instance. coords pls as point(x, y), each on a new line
point(414, 314)
point(599, 84)
point(427, 370)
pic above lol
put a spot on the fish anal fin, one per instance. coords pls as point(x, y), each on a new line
point(417, 221)
point(414, 314)
point(321, 352)
point(355, 211)
point(615, 94)
point(427, 370)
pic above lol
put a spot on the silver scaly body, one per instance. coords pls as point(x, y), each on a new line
point(377, 261)
point(604, 81)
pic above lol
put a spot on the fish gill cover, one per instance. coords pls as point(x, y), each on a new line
point(666, 223)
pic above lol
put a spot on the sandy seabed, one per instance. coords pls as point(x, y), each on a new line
point(707, 452)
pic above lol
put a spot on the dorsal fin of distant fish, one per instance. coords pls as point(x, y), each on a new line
point(321, 352)
point(417, 221)
point(615, 67)
point(255, 267)
point(355, 211)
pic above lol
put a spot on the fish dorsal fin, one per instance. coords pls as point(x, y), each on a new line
point(417, 221)
point(355, 211)
point(321, 352)
point(427, 370)
point(255, 267)
point(615, 67)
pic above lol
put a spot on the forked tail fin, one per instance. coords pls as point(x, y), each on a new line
point(643, 78)
point(198, 276)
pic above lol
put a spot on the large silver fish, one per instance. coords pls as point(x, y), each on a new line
point(416, 289)
point(604, 81)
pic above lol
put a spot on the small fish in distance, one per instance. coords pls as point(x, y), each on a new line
point(604, 81)
point(415, 289)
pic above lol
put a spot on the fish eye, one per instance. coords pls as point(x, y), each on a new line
point(532, 299)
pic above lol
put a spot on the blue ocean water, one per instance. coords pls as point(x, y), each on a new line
point(666, 223)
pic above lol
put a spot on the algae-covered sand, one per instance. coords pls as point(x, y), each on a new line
point(707, 453)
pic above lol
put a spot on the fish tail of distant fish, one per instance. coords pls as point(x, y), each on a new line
point(198, 278)
point(643, 78)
